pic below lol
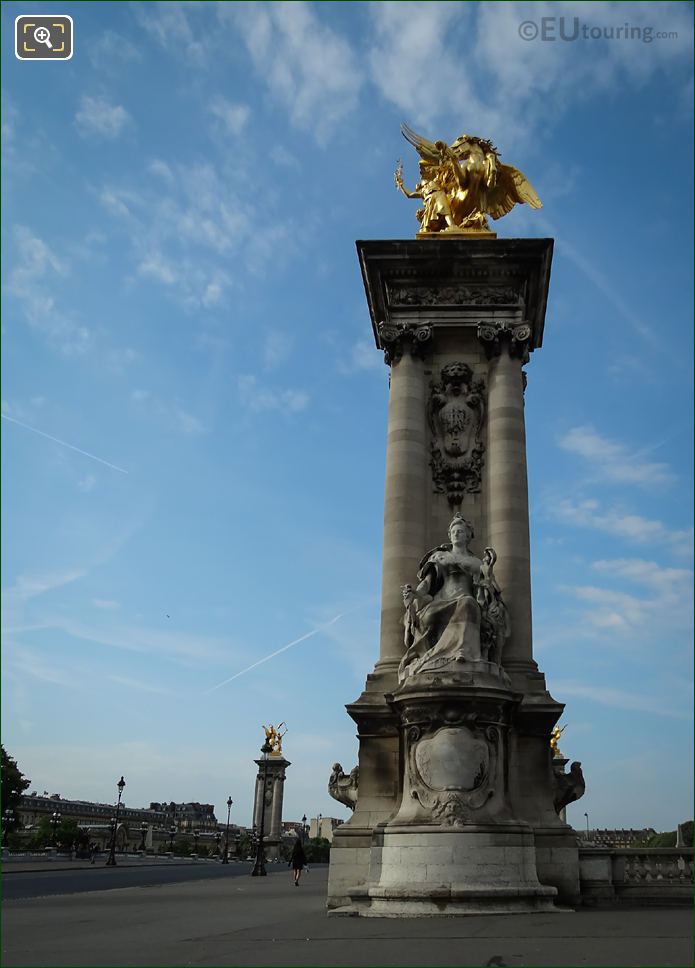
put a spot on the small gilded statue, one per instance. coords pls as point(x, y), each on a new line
point(555, 735)
point(462, 183)
point(273, 737)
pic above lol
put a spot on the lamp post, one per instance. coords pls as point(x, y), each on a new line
point(143, 832)
point(172, 834)
point(587, 826)
point(196, 834)
point(318, 825)
point(225, 856)
point(8, 823)
point(304, 829)
point(111, 859)
point(259, 867)
point(55, 823)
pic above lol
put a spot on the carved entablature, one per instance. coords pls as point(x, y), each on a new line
point(458, 295)
point(516, 338)
point(456, 411)
point(394, 337)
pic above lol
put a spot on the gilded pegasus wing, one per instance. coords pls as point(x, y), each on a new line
point(428, 150)
point(512, 187)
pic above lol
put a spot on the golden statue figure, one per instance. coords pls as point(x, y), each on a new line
point(461, 184)
point(555, 735)
point(273, 738)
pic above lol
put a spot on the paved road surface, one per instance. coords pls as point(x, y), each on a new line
point(237, 920)
point(28, 884)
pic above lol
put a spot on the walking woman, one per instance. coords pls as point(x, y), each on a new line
point(297, 861)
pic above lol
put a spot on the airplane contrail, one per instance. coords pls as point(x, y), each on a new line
point(284, 648)
point(56, 440)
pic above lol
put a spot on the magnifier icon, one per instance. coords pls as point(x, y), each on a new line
point(42, 35)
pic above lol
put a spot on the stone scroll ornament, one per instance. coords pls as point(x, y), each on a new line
point(456, 411)
point(342, 786)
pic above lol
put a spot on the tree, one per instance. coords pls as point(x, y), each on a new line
point(317, 850)
point(14, 783)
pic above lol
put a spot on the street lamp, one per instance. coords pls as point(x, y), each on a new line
point(587, 826)
point(111, 859)
point(8, 823)
point(143, 832)
point(225, 856)
point(318, 825)
point(55, 823)
point(196, 834)
point(304, 828)
point(172, 834)
point(259, 867)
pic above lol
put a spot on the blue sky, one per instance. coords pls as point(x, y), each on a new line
point(182, 301)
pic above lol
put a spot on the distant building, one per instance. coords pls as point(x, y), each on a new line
point(619, 838)
point(323, 827)
point(32, 808)
point(188, 816)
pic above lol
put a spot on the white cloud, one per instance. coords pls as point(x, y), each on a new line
point(87, 483)
point(233, 117)
point(262, 398)
point(612, 460)
point(277, 347)
point(33, 277)
point(110, 50)
point(421, 53)
point(617, 698)
point(97, 117)
point(309, 68)
point(633, 527)
point(364, 356)
point(174, 415)
point(106, 603)
point(172, 25)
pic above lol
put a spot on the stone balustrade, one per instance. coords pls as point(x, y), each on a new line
point(652, 875)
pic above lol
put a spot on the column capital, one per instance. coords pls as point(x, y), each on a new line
point(393, 338)
point(515, 339)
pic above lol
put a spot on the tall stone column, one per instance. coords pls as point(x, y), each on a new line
point(276, 809)
point(406, 481)
point(273, 769)
point(507, 485)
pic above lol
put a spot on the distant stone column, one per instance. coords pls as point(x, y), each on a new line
point(507, 493)
point(258, 802)
point(406, 480)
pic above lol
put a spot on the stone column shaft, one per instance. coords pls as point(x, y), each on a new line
point(405, 499)
point(508, 518)
point(276, 811)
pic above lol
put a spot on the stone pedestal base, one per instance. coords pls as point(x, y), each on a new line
point(479, 869)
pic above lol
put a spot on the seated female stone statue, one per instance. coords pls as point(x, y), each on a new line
point(445, 612)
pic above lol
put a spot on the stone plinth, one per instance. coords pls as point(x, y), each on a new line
point(457, 319)
point(274, 791)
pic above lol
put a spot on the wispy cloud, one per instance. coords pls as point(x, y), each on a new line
point(139, 685)
point(260, 398)
point(277, 347)
point(612, 460)
point(96, 117)
point(34, 276)
point(232, 116)
point(617, 698)
point(63, 443)
point(634, 527)
point(173, 414)
point(309, 68)
point(106, 603)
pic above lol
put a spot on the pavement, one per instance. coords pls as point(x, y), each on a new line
point(237, 920)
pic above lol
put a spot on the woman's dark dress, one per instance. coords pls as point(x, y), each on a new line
point(298, 858)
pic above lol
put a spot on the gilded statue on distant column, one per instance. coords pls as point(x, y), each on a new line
point(462, 183)
point(273, 737)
